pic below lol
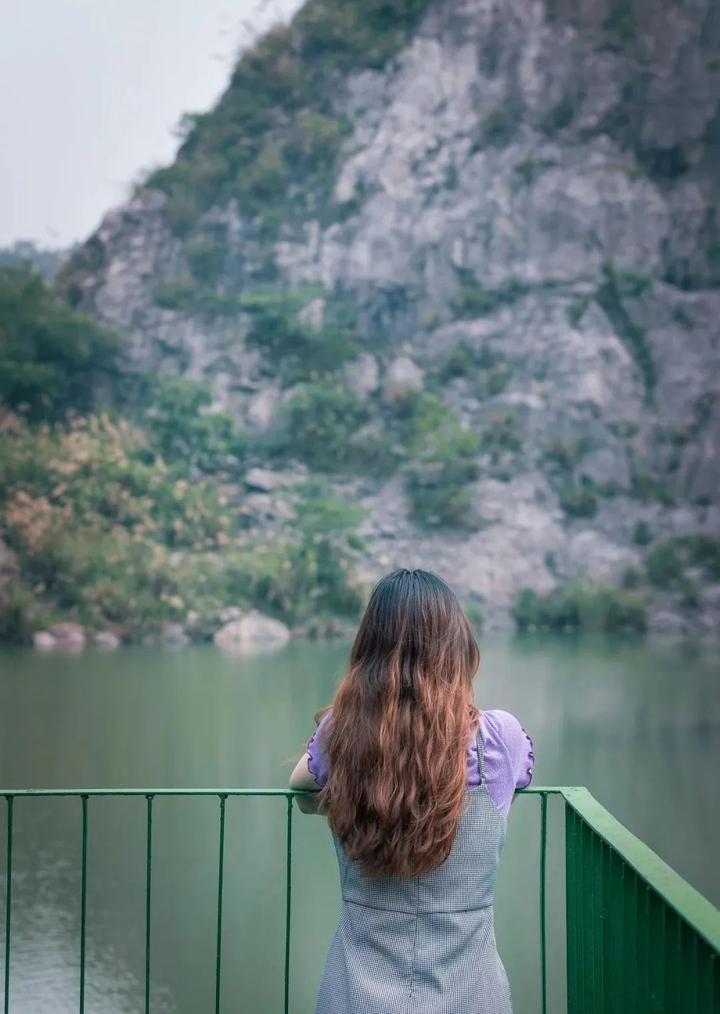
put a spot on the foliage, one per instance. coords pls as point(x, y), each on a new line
point(442, 463)
point(185, 433)
point(318, 422)
point(563, 456)
point(273, 138)
point(616, 288)
point(587, 607)
point(296, 350)
point(579, 500)
point(487, 372)
point(498, 128)
point(500, 435)
point(473, 300)
point(52, 358)
point(667, 562)
point(642, 534)
point(107, 534)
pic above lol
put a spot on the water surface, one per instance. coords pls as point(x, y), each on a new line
point(639, 724)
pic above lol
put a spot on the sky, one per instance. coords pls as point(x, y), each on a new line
point(90, 94)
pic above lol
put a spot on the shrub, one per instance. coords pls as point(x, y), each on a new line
point(579, 500)
point(664, 565)
point(589, 607)
point(318, 421)
point(473, 300)
point(642, 534)
point(297, 350)
point(617, 286)
point(500, 436)
point(668, 560)
point(442, 463)
point(498, 128)
point(52, 359)
point(185, 433)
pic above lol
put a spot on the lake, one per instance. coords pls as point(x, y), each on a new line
point(637, 723)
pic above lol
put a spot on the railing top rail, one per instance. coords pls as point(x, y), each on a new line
point(681, 896)
point(542, 789)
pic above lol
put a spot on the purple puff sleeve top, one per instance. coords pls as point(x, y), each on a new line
point(507, 748)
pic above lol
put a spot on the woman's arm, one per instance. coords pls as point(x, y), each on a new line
point(302, 779)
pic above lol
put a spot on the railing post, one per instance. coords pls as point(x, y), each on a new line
point(288, 886)
point(543, 920)
point(83, 900)
point(571, 904)
point(8, 899)
point(221, 864)
point(148, 885)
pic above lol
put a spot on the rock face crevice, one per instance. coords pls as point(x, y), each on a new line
point(534, 184)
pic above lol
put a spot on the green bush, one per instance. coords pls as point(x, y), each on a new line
point(185, 433)
point(664, 564)
point(642, 534)
point(52, 359)
point(295, 350)
point(590, 607)
point(618, 286)
point(500, 436)
point(579, 500)
point(487, 371)
point(473, 300)
point(442, 463)
point(667, 562)
point(318, 422)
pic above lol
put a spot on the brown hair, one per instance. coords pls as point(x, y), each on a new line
point(397, 738)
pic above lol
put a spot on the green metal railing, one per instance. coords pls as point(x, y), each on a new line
point(639, 939)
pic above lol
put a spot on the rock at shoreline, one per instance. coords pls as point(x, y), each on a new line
point(106, 640)
point(252, 634)
point(60, 636)
point(43, 641)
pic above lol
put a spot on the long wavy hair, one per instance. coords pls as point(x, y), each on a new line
point(397, 738)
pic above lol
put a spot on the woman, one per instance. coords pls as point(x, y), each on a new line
point(416, 785)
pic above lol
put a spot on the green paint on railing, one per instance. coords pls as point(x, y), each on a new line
point(221, 864)
point(638, 937)
point(288, 892)
point(83, 900)
point(543, 920)
point(148, 888)
point(8, 899)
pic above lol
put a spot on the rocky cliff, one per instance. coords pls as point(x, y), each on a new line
point(508, 209)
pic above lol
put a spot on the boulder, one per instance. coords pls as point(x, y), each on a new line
point(43, 640)
point(106, 640)
point(70, 636)
point(265, 480)
point(252, 634)
point(362, 375)
point(403, 376)
point(173, 633)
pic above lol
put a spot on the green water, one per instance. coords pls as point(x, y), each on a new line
point(638, 724)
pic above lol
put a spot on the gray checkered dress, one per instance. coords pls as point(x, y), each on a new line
point(423, 945)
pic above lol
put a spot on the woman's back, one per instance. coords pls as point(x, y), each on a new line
point(427, 943)
point(416, 784)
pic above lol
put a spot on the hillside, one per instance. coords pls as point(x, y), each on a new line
point(462, 260)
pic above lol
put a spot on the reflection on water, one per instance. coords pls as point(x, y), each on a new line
point(638, 724)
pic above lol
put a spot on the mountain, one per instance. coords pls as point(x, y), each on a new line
point(462, 258)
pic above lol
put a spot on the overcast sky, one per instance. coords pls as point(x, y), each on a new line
point(90, 92)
